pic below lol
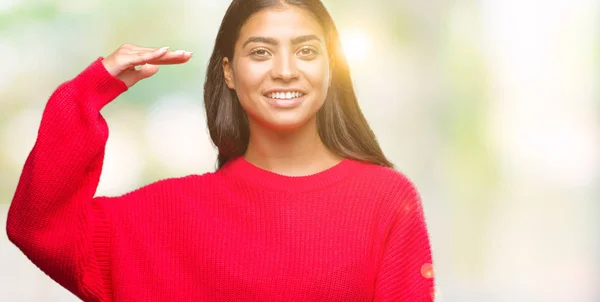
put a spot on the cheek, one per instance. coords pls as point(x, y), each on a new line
point(249, 76)
point(318, 76)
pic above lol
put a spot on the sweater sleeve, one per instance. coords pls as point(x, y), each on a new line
point(406, 271)
point(54, 218)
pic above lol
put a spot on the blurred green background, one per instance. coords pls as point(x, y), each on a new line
point(490, 107)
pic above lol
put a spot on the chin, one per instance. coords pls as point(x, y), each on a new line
point(287, 121)
point(285, 118)
point(286, 125)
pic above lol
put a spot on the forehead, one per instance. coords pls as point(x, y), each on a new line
point(281, 23)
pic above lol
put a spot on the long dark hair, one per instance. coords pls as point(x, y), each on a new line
point(340, 122)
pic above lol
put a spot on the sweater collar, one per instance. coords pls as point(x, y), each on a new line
point(241, 168)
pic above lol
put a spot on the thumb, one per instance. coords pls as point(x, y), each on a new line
point(132, 76)
point(146, 71)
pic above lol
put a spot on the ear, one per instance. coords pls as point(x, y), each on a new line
point(228, 73)
point(331, 70)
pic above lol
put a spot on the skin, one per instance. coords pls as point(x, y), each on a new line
point(132, 63)
point(277, 49)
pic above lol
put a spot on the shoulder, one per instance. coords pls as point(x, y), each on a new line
point(384, 178)
point(396, 194)
point(168, 187)
point(391, 189)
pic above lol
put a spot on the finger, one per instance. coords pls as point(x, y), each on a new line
point(172, 57)
point(146, 71)
point(140, 58)
point(169, 53)
point(141, 48)
point(132, 76)
point(131, 51)
point(137, 48)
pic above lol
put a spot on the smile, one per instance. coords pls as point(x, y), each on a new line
point(285, 100)
point(285, 95)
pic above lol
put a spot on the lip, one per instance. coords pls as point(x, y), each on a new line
point(291, 89)
point(285, 104)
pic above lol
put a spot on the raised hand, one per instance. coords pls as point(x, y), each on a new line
point(122, 62)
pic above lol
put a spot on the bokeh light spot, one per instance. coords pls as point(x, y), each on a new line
point(427, 270)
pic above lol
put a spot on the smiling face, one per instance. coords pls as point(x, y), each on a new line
point(280, 70)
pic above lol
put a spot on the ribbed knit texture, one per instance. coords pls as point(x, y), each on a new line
point(354, 232)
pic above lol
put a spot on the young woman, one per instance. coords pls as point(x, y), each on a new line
point(303, 207)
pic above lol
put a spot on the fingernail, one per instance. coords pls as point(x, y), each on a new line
point(189, 53)
point(164, 48)
point(179, 51)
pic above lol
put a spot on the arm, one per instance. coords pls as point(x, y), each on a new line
point(406, 271)
point(53, 218)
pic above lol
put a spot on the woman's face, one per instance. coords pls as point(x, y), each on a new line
point(280, 70)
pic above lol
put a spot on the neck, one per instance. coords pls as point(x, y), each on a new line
point(293, 153)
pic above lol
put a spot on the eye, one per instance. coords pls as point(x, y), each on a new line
point(307, 51)
point(260, 52)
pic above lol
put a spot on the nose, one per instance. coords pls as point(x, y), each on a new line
point(284, 68)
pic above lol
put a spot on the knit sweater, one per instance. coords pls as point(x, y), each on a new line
point(353, 232)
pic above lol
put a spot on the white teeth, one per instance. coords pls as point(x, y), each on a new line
point(285, 95)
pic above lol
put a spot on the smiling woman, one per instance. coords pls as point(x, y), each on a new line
point(303, 205)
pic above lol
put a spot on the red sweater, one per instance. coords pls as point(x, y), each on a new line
point(354, 232)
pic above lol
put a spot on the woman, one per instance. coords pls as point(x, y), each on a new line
point(303, 207)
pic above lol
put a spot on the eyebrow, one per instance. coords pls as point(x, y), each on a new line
point(272, 41)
